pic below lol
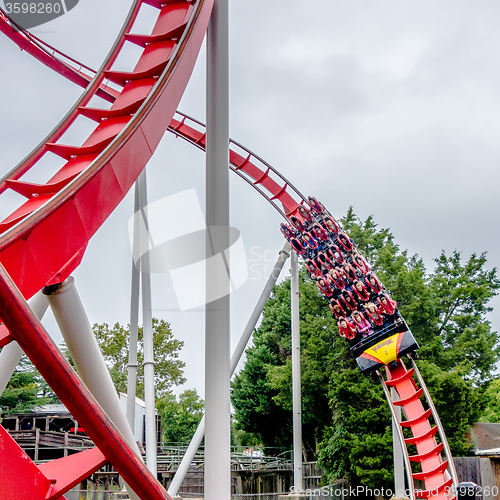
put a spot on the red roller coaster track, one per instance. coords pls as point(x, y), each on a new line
point(67, 210)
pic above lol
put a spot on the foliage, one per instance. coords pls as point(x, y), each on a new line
point(180, 417)
point(491, 399)
point(113, 342)
point(346, 420)
point(26, 390)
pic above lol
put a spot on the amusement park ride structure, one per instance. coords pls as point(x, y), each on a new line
point(67, 210)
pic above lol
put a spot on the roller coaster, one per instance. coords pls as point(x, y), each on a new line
point(66, 211)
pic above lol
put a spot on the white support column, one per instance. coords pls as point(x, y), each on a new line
point(217, 313)
point(147, 329)
point(235, 358)
point(82, 345)
point(11, 354)
point(399, 467)
point(134, 322)
point(296, 385)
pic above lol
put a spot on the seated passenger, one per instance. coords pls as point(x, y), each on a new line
point(313, 268)
point(348, 274)
point(373, 282)
point(315, 204)
point(362, 325)
point(345, 242)
point(297, 224)
point(287, 231)
point(374, 314)
point(389, 309)
point(349, 301)
point(332, 284)
point(336, 278)
point(297, 245)
point(360, 263)
point(320, 233)
point(346, 329)
point(304, 213)
point(336, 254)
point(361, 292)
point(325, 261)
point(323, 286)
point(331, 225)
point(310, 241)
point(336, 309)
point(387, 305)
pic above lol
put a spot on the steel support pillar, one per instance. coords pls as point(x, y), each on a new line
point(235, 358)
point(399, 466)
point(55, 369)
point(134, 322)
point(12, 353)
point(82, 345)
point(296, 385)
point(217, 312)
point(147, 330)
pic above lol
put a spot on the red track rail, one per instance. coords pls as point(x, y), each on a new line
point(43, 241)
point(63, 214)
point(438, 485)
point(282, 195)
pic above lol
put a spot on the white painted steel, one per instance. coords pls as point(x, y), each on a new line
point(134, 322)
point(399, 467)
point(217, 313)
point(235, 358)
point(82, 345)
point(409, 477)
point(147, 330)
point(12, 353)
point(296, 385)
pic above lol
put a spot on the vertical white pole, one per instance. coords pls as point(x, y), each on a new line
point(399, 468)
point(147, 330)
point(12, 353)
point(134, 322)
point(235, 358)
point(296, 386)
point(217, 313)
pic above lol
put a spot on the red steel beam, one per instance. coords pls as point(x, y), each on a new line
point(55, 369)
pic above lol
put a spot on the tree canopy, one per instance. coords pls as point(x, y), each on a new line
point(113, 342)
point(180, 415)
point(26, 390)
point(346, 421)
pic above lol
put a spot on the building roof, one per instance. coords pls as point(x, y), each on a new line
point(485, 438)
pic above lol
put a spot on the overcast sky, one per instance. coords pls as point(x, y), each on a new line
point(392, 107)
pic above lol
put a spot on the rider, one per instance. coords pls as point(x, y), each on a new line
point(346, 329)
point(374, 314)
point(362, 325)
point(362, 294)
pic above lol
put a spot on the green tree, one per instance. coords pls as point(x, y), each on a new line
point(26, 390)
point(113, 342)
point(346, 418)
point(180, 416)
point(491, 398)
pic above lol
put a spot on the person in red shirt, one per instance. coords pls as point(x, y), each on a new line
point(346, 329)
point(374, 314)
point(362, 294)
